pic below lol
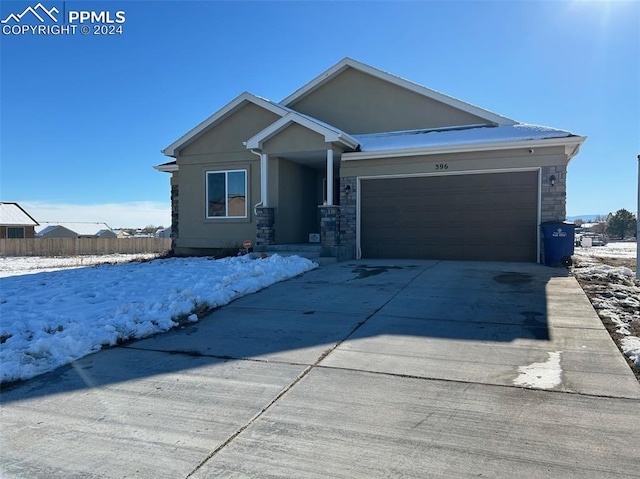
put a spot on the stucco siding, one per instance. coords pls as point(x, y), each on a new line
point(358, 103)
point(198, 231)
point(296, 210)
point(219, 149)
point(294, 138)
point(228, 135)
point(450, 163)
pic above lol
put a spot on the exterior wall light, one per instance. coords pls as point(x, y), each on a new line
point(347, 189)
point(552, 180)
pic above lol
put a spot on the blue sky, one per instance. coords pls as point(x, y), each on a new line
point(83, 118)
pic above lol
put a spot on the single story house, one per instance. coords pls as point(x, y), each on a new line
point(378, 166)
point(15, 222)
point(74, 230)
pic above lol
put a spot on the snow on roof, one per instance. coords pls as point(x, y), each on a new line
point(81, 229)
point(453, 136)
point(11, 214)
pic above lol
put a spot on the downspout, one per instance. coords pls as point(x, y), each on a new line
point(260, 203)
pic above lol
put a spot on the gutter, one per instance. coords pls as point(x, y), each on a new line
point(470, 147)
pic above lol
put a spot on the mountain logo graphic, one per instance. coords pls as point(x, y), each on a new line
point(39, 11)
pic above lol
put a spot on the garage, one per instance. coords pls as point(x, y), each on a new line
point(483, 217)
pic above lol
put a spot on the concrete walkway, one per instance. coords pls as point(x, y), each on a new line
point(358, 369)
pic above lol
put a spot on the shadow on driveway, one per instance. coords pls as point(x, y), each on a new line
point(301, 320)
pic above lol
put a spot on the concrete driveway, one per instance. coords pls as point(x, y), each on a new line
point(358, 369)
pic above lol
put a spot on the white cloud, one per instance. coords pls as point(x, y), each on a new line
point(136, 214)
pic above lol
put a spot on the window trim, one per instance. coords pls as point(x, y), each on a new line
point(226, 186)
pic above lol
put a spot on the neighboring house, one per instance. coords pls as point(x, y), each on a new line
point(74, 230)
point(15, 222)
point(163, 233)
point(413, 173)
point(122, 234)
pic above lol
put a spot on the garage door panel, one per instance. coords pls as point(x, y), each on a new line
point(476, 217)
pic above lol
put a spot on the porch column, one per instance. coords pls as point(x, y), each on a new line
point(264, 173)
point(265, 230)
point(329, 225)
point(329, 177)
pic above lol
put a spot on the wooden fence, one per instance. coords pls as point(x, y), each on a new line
point(82, 246)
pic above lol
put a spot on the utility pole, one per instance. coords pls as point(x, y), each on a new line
point(638, 226)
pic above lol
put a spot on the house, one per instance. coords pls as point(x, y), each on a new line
point(379, 166)
point(163, 233)
point(74, 230)
point(122, 234)
point(15, 222)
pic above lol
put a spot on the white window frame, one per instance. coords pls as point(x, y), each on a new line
point(226, 189)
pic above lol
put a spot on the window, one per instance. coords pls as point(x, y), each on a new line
point(227, 194)
point(15, 232)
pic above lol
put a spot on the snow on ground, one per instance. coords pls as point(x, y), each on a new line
point(18, 265)
point(49, 319)
point(611, 250)
point(614, 291)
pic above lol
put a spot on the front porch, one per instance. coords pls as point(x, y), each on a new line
point(300, 190)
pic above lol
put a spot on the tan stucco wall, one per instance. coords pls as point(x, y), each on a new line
point(358, 103)
point(198, 231)
point(228, 135)
point(219, 149)
point(294, 138)
point(433, 164)
point(293, 194)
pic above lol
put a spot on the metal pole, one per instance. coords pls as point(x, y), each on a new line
point(330, 177)
point(638, 226)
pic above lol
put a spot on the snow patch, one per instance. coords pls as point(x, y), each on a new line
point(631, 348)
point(546, 375)
point(51, 319)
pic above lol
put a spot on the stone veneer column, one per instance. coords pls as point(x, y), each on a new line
point(265, 230)
point(554, 198)
point(347, 226)
point(174, 211)
point(329, 225)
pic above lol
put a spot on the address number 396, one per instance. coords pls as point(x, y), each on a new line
point(442, 166)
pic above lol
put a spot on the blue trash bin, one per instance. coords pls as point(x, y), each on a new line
point(559, 240)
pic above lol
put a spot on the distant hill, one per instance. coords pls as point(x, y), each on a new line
point(586, 218)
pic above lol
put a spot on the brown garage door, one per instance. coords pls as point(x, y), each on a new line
point(487, 217)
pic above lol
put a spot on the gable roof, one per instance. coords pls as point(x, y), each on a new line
point(347, 63)
point(50, 228)
point(80, 228)
point(331, 134)
point(220, 115)
point(12, 214)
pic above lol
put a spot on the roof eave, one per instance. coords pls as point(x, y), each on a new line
point(573, 142)
point(167, 168)
point(173, 149)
